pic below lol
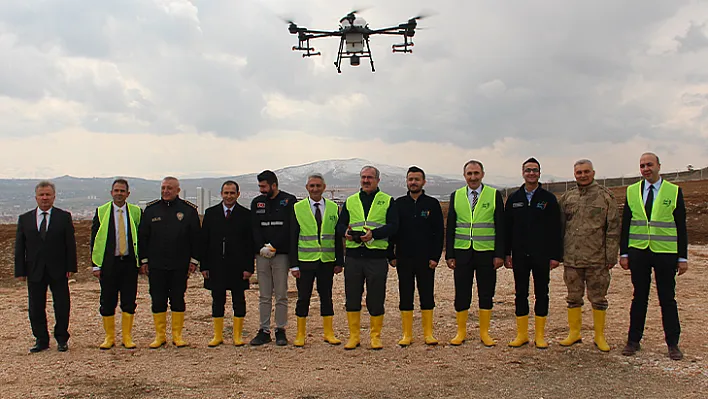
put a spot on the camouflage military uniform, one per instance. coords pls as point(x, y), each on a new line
point(591, 225)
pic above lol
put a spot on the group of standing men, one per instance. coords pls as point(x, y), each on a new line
point(313, 240)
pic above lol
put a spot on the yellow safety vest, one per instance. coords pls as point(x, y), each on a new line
point(310, 246)
point(104, 217)
point(659, 234)
point(476, 227)
point(376, 218)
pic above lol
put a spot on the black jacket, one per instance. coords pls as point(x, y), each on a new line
point(271, 221)
point(227, 247)
point(54, 256)
point(452, 253)
point(533, 229)
point(385, 231)
point(109, 254)
point(294, 238)
point(168, 235)
point(421, 228)
point(679, 219)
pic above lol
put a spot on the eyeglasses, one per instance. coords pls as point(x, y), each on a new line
point(532, 170)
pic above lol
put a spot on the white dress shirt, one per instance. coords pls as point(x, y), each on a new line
point(40, 217)
point(226, 208)
point(470, 196)
point(645, 193)
point(313, 207)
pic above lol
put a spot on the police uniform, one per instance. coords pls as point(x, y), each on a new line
point(591, 224)
point(114, 252)
point(315, 250)
point(366, 263)
point(654, 235)
point(475, 236)
point(168, 242)
point(419, 240)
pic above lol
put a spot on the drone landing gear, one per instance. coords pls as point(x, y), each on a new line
point(355, 58)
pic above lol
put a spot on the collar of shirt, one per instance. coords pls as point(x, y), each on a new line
point(313, 202)
point(478, 190)
point(116, 208)
point(39, 216)
point(226, 208)
point(656, 185)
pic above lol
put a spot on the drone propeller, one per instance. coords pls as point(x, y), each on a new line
point(422, 15)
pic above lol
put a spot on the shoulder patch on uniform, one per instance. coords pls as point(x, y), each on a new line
point(193, 205)
point(152, 202)
point(608, 191)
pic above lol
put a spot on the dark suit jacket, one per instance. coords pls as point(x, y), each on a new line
point(462, 256)
point(227, 247)
point(109, 255)
point(54, 256)
point(679, 219)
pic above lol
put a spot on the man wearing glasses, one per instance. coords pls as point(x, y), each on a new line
point(534, 244)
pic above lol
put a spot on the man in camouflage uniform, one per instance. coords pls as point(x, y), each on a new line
point(591, 226)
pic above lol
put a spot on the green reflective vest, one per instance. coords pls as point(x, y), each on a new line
point(310, 246)
point(104, 218)
point(477, 226)
point(376, 218)
point(659, 234)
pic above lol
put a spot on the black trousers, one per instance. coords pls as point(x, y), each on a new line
point(541, 269)
point(324, 274)
point(665, 267)
point(411, 272)
point(123, 280)
point(370, 271)
point(218, 302)
point(37, 294)
point(480, 265)
point(168, 285)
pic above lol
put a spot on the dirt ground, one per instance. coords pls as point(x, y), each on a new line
point(323, 371)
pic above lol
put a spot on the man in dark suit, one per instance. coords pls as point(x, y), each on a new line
point(114, 255)
point(227, 259)
point(475, 247)
point(45, 256)
point(654, 236)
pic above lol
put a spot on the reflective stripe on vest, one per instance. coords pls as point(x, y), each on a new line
point(104, 219)
point(659, 235)
point(311, 248)
point(376, 218)
point(475, 229)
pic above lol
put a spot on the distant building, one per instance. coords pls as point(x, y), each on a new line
point(203, 199)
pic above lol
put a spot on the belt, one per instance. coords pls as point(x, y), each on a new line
point(123, 257)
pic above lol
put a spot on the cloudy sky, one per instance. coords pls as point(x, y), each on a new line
point(211, 87)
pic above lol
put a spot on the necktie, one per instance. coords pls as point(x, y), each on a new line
point(650, 201)
point(43, 226)
point(474, 199)
point(228, 214)
point(122, 239)
point(318, 218)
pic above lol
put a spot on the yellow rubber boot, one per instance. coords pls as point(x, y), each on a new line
point(238, 331)
point(127, 330)
point(485, 318)
point(354, 319)
point(539, 331)
point(407, 326)
point(598, 317)
point(177, 324)
point(329, 331)
point(301, 331)
point(575, 322)
point(218, 332)
point(461, 328)
point(109, 325)
point(522, 332)
point(427, 321)
point(160, 330)
point(375, 334)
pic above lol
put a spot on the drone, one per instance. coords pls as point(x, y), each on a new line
point(354, 33)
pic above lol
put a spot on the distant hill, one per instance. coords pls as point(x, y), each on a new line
point(82, 195)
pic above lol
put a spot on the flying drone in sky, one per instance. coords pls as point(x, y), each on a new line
point(354, 33)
